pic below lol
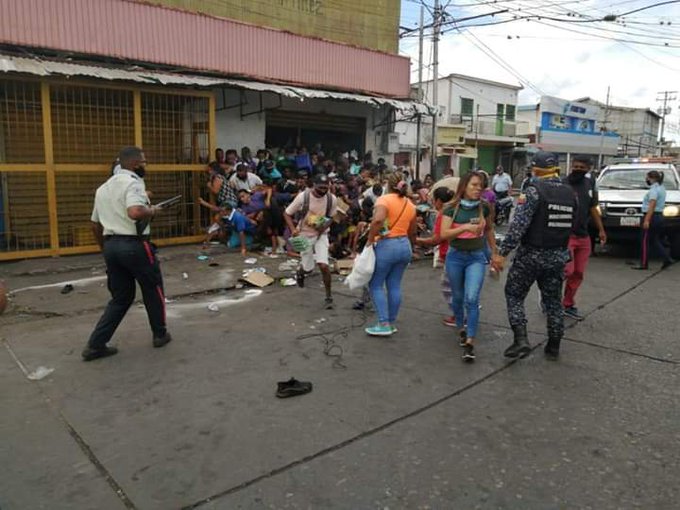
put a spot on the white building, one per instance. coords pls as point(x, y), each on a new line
point(567, 127)
point(638, 127)
point(477, 124)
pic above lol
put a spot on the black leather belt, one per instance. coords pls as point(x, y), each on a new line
point(127, 238)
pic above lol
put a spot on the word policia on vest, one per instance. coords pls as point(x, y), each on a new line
point(553, 217)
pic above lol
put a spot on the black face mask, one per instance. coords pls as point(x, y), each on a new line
point(140, 171)
point(320, 193)
point(649, 182)
point(576, 177)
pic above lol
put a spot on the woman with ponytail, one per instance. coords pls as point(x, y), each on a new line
point(392, 231)
point(466, 223)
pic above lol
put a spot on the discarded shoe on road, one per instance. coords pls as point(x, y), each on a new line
point(292, 388)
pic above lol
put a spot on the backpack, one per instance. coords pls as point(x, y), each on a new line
point(305, 204)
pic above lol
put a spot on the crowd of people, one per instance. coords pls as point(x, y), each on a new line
point(312, 207)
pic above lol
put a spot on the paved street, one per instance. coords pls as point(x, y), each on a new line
point(392, 423)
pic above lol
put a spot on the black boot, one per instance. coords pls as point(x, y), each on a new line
point(552, 349)
point(520, 348)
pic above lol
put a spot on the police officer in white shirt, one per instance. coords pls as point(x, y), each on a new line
point(130, 257)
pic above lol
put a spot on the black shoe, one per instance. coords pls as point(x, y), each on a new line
point(328, 303)
point(572, 313)
point(300, 278)
point(468, 353)
point(359, 305)
point(552, 349)
point(292, 388)
point(640, 267)
point(90, 354)
point(160, 341)
point(667, 263)
point(462, 341)
point(520, 348)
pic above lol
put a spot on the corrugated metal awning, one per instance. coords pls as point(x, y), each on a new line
point(40, 67)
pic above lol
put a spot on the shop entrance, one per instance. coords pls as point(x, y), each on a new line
point(334, 133)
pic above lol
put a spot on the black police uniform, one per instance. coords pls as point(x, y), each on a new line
point(130, 259)
point(541, 229)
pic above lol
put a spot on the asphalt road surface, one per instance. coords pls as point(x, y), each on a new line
point(398, 423)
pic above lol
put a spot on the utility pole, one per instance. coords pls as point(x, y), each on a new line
point(668, 96)
point(420, 88)
point(603, 128)
point(435, 82)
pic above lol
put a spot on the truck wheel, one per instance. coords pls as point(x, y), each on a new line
point(675, 245)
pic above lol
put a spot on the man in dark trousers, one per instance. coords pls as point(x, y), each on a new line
point(130, 257)
point(540, 232)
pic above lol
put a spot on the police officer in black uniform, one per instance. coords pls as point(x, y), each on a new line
point(121, 205)
point(540, 232)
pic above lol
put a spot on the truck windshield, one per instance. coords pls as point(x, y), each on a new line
point(634, 178)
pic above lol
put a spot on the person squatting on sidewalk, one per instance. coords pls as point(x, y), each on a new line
point(540, 232)
point(466, 223)
point(314, 209)
point(393, 231)
point(585, 189)
point(130, 256)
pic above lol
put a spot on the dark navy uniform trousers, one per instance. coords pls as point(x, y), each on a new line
point(130, 260)
point(546, 267)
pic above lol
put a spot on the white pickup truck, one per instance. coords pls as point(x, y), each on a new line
point(621, 189)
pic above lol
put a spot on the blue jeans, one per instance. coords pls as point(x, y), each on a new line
point(466, 273)
point(392, 256)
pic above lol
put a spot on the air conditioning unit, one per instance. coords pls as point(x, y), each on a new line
point(390, 143)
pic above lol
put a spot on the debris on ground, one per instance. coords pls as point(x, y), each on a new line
point(67, 288)
point(202, 258)
point(213, 307)
point(289, 265)
point(185, 276)
point(251, 260)
point(40, 373)
point(288, 282)
point(257, 277)
point(321, 320)
point(292, 387)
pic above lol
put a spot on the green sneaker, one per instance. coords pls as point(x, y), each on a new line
point(380, 330)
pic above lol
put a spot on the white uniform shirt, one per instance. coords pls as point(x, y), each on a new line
point(111, 202)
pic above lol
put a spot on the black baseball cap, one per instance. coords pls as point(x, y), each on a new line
point(544, 159)
point(321, 180)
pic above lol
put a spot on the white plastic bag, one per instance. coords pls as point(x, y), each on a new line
point(363, 268)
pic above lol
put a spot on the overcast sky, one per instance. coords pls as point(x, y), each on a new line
point(568, 59)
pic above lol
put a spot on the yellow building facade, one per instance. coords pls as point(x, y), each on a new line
point(369, 24)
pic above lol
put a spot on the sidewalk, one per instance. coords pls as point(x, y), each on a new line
point(35, 285)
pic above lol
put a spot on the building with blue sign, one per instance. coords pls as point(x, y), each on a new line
point(568, 127)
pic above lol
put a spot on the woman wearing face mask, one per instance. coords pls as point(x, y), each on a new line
point(466, 223)
point(652, 222)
